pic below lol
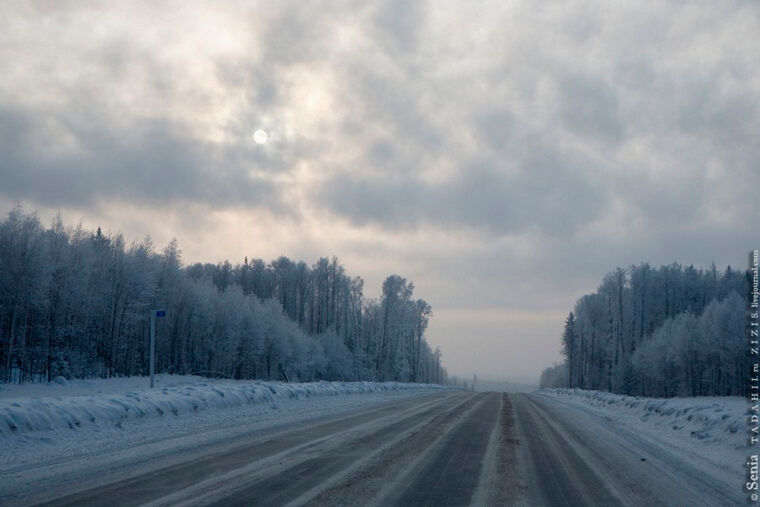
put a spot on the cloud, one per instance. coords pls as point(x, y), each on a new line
point(149, 161)
point(500, 154)
point(541, 190)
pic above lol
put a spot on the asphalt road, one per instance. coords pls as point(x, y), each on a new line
point(453, 448)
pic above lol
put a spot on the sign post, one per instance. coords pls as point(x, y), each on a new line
point(153, 315)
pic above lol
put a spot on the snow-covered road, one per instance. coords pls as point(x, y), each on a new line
point(573, 456)
point(426, 448)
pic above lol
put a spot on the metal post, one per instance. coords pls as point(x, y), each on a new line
point(152, 346)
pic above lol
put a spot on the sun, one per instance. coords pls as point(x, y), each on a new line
point(260, 137)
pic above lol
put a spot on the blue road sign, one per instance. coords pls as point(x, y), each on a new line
point(160, 313)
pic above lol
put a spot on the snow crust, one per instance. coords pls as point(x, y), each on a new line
point(82, 404)
point(713, 428)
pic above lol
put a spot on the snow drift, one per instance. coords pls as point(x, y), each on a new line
point(26, 414)
point(714, 419)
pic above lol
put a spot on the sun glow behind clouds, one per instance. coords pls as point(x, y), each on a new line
point(260, 137)
point(313, 130)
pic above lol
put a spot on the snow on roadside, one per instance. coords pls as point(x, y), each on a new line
point(714, 428)
point(109, 403)
point(121, 443)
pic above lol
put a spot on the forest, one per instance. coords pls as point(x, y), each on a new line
point(76, 303)
point(663, 332)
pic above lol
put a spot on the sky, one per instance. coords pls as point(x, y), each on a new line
point(504, 156)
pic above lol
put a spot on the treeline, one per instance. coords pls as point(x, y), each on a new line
point(77, 303)
point(672, 331)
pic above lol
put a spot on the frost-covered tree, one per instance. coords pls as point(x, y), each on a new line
point(76, 303)
point(569, 346)
point(664, 331)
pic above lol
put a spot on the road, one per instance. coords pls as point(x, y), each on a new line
point(454, 448)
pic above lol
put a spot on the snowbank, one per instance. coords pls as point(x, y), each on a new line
point(716, 419)
point(714, 429)
point(81, 404)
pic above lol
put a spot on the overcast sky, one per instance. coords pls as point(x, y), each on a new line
point(502, 155)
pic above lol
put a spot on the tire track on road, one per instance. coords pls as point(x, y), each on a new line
point(450, 472)
point(500, 483)
point(364, 481)
point(556, 475)
point(150, 486)
point(316, 470)
point(640, 472)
